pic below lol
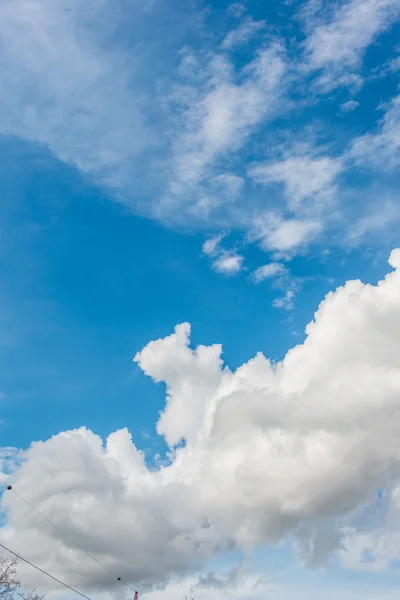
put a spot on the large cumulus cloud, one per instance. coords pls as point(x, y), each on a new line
point(255, 453)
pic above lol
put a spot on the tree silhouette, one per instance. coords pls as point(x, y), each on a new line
point(10, 583)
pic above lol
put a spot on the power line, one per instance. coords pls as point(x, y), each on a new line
point(19, 557)
point(11, 489)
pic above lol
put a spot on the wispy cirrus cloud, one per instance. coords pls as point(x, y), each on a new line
point(218, 114)
point(381, 148)
point(349, 106)
point(62, 88)
point(283, 236)
point(281, 280)
point(340, 33)
point(243, 33)
point(193, 141)
point(308, 179)
point(211, 246)
point(268, 271)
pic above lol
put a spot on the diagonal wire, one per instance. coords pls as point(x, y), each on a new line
point(11, 489)
point(19, 557)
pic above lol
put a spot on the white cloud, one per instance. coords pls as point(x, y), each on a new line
point(174, 143)
point(353, 27)
point(61, 88)
point(337, 44)
point(349, 106)
point(225, 262)
point(9, 461)
point(246, 30)
point(380, 149)
point(374, 543)
point(281, 281)
point(309, 180)
point(267, 448)
point(214, 586)
point(282, 586)
point(286, 301)
point(268, 271)
point(154, 141)
point(211, 245)
point(182, 136)
point(284, 236)
point(391, 66)
point(227, 185)
point(220, 110)
point(228, 263)
point(370, 551)
point(377, 221)
point(236, 9)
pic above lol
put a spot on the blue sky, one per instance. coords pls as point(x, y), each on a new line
point(225, 165)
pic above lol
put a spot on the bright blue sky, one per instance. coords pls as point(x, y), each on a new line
point(87, 285)
point(221, 164)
